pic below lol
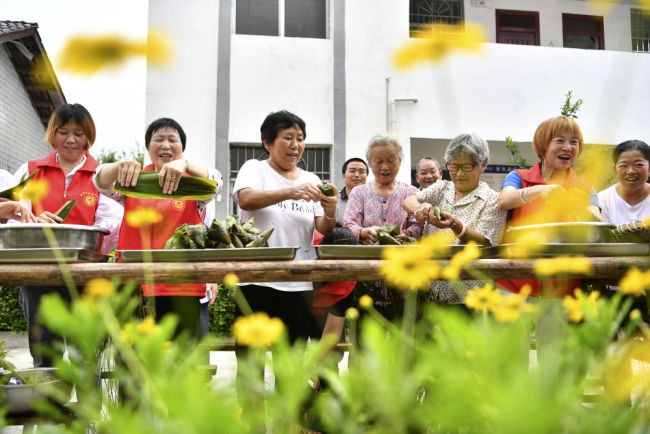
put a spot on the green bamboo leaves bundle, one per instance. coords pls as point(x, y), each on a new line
point(13, 192)
point(387, 233)
point(219, 235)
point(189, 187)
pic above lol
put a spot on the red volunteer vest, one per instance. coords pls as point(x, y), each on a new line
point(81, 188)
point(550, 287)
point(175, 212)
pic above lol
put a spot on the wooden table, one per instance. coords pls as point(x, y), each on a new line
point(605, 268)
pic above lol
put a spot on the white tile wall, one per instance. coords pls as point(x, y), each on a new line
point(21, 132)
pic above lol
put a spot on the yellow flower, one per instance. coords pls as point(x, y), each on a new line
point(365, 302)
point(525, 245)
point(127, 334)
point(465, 256)
point(352, 314)
point(483, 299)
point(635, 314)
point(408, 268)
point(99, 288)
point(563, 265)
point(439, 41)
point(35, 190)
point(142, 216)
point(634, 282)
point(230, 280)
point(573, 308)
point(90, 54)
point(257, 330)
point(437, 244)
point(509, 308)
point(147, 326)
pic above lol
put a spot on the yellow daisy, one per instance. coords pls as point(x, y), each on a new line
point(408, 268)
point(634, 282)
point(257, 330)
point(365, 302)
point(483, 299)
point(147, 326)
point(99, 288)
point(563, 265)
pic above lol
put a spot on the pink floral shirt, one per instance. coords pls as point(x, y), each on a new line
point(365, 209)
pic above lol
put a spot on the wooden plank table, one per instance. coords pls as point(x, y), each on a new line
point(321, 270)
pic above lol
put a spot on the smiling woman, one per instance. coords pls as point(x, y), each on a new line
point(628, 200)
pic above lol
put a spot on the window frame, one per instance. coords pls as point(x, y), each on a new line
point(596, 18)
point(415, 27)
point(500, 12)
point(638, 36)
point(281, 19)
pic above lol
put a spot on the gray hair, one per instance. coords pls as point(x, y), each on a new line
point(377, 141)
point(417, 166)
point(468, 144)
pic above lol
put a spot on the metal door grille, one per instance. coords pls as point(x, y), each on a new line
point(640, 20)
point(425, 12)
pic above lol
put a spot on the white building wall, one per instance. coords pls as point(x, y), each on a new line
point(616, 18)
point(272, 73)
point(505, 90)
point(186, 88)
point(21, 131)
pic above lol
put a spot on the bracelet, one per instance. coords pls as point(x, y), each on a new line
point(328, 217)
point(462, 231)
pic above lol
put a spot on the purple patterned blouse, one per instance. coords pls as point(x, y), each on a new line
point(365, 209)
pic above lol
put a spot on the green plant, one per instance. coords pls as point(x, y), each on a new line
point(570, 109)
point(112, 156)
point(515, 155)
point(11, 314)
point(222, 313)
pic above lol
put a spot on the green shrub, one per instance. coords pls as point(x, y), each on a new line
point(222, 313)
point(11, 314)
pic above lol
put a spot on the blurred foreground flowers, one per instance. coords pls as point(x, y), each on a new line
point(440, 41)
point(90, 54)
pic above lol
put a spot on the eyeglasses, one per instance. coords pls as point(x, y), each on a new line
point(464, 167)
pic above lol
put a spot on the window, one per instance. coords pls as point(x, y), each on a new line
point(294, 18)
point(517, 27)
point(425, 12)
point(583, 31)
point(640, 30)
point(315, 159)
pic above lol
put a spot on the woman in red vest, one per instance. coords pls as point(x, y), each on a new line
point(558, 143)
point(68, 171)
point(165, 142)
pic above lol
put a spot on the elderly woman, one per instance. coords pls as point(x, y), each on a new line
point(558, 143)
point(377, 203)
point(469, 207)
point(165, 141)
point(628, 201)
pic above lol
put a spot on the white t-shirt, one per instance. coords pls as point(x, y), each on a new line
point(292, 220)
point(7, 180)
point(615, 210)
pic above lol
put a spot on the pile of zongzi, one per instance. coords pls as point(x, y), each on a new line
point(219, 235)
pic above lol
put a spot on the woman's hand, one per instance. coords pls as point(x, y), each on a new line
point(170, 175)
point(403, 235)
point(215, 291)
point(10, 209)
point(306, 191)
point(422, 213)
point(127, 172)
point(329, 202)
point(48, 217)
point(368, 235)
point(446, 220)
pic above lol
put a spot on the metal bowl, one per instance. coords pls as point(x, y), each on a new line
point(565, 232)
point(42, 382)
point(33, 235)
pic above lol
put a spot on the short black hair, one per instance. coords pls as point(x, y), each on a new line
point(632, 145)
point(353, 160)
point(340, 235)
point(277, 121)
point(163, 123)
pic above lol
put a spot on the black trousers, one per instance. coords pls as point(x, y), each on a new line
point(44, 345)
point(186, 308)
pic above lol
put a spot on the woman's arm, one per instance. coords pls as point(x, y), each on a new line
point(250, 199)
point(464, 233)
point(126, 172)
point(511, 197)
